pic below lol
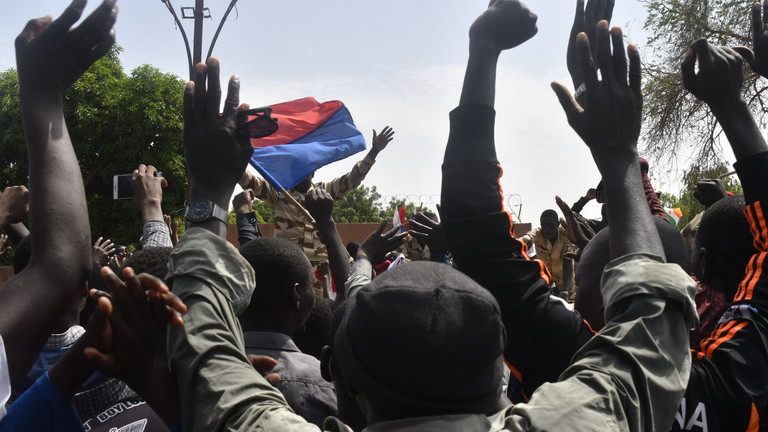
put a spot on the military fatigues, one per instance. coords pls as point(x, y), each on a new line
point(553, 255)
point(290, 222)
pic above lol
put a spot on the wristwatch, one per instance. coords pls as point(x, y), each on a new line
point(204, 209)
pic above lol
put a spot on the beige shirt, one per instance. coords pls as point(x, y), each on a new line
point(290, 222)
point(553, 255)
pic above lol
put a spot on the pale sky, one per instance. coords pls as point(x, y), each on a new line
point(398, 63)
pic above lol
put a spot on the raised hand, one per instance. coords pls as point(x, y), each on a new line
point(505, 24)
point(380, 141)
point(591, 194)
point(585, 21)
point(610, 121)
point(102, 249)
point(215, 154)
point(577, 231)
point(709, 191)
point(148, 188)
point(720, 77)
point(243, 202)
point(377, 245)
point(319, 204)
point(430, 231)
point(14, 205)
point(50, 55)
point(138, 310)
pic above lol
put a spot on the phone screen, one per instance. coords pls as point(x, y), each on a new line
point(121, 186)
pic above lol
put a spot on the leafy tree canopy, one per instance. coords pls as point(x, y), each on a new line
point(116, 121)
point(360, 205)
point(675, 121)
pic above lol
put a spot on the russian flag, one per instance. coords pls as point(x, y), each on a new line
point(310, 135)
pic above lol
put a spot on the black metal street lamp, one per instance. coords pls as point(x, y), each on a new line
point(198, 13)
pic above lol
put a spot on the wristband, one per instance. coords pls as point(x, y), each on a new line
point(580, 91)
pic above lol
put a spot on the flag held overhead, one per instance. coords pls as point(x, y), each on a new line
point(310, 135)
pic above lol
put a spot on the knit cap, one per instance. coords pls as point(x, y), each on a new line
point(424, 338)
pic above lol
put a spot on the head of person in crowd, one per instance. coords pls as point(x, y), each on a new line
point(723, 246)
point(399, 368)
point(550, 223)
point(283, 296)
point(589, 300)
point(316, 332)
point(352, 248)
point(152, 260)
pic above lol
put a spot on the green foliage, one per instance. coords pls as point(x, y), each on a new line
point(675, 120)
point(360, 205)
point(116, 122)
point(410, 208)
point(686, 201)
point(265, 212)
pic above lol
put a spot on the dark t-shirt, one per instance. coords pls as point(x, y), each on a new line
point(126, 416)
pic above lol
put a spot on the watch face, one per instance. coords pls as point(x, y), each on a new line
point(199, 210)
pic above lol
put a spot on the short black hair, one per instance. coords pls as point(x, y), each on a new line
point(278, 264)
point(317, 330)
point(152, 260)
point(724, 233)
point(352, 248)
point(549, 214)
point(597, 254)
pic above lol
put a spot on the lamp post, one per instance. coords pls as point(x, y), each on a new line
point(197, 13)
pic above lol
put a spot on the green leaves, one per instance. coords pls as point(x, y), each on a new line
point(116, 121)
point(675, 122)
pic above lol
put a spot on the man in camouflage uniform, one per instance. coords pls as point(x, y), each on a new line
point(552, 245)
point(290, 221)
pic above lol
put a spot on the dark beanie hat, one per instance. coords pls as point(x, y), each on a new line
point(423, 339)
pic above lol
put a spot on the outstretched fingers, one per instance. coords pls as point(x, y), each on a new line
point(69, 17)
point(758, 17)
point(635, 70)
point(189, 106)
point(233, 99)
point(586, 64)
point(199, 104)
point(619, 56)
point(213, 92)
point(604, 57)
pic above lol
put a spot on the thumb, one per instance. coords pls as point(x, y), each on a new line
point(569, 104)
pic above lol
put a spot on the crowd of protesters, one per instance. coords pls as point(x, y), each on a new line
point(660, 331)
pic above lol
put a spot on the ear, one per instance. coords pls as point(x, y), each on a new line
point(699, 263)
point(295, 297)
point(326, 357)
